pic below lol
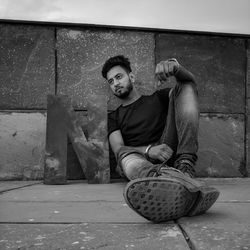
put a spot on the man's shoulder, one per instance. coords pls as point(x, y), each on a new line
point(114, 112)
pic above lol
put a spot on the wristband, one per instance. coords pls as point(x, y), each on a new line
point(146, 151)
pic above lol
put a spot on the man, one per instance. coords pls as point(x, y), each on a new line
point(154, 139)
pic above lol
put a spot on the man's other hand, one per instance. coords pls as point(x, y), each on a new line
point(165, 69)
point(160, 152)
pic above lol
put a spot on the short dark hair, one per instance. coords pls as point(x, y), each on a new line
point(119, 60)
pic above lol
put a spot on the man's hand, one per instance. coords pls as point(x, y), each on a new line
point(165, 69)
point(160, 152)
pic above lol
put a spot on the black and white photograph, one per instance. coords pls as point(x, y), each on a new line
point(124, 125)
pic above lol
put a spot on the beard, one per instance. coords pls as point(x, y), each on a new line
point(125, 92)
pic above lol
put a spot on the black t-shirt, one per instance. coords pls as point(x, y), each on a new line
point(141, 122)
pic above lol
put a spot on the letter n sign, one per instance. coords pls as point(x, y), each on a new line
point(92, 152)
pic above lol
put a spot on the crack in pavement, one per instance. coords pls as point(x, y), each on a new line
point(14, 188)
point(186, 236)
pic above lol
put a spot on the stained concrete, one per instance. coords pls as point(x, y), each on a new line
point(226, 226)
point(221, 146)
point(28, 74)
point(218, 64)
point(55, 163)
point(11, 185)
point(248, 108)
point(74, 170)
point(22, 145)
point(82, 53)
point(93, 236)
point(27, 66)
point(84, 216)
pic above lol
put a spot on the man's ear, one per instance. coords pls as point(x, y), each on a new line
point(132, 77)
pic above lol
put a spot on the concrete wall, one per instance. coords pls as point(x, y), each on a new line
point(36, 60)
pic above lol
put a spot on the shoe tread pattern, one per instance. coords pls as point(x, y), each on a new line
point(159, 200)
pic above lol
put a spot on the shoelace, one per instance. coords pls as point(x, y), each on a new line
point(157, 171)
point(185, 168)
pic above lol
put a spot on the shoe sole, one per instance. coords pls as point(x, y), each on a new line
point(206, 198)
point(206, 195)
point(158, 199)
point(165, 199)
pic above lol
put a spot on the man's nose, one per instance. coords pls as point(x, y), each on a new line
point(116, 82)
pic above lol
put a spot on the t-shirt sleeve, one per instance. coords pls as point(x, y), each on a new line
point(112, 122)
point(163, 95)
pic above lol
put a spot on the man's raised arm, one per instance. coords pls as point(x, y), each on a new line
point(171, 67)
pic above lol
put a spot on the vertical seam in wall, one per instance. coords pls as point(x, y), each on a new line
point(155, 35)
point(246, 111)
point(55, 51)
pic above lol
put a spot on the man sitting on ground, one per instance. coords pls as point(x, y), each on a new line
point(155, 141)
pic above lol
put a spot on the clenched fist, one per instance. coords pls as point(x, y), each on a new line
point(165, 69)
point(160, 152)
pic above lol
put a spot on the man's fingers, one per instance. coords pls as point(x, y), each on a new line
point(161, 158)
point(171, 68)
point(166, 155)
point(160, 72)
point(167, 151)
point(159, 69)
point(164, 72)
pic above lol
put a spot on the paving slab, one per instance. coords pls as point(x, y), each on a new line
point(68, 212)
point(227, 224)
point(92, 236)
point(76, 202)
point(232, 190)
point(74, 191)
point(11, 185)
point(93, 216)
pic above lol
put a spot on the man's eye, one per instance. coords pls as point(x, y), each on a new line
point(110, 81)
point(118, 77)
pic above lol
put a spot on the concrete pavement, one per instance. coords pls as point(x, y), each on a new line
point(86, 216)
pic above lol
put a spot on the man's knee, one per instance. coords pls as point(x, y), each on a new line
point(185, 93)
point(133, 164)
point(190, 88)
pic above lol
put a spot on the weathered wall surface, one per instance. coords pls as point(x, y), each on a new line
point(27, 75)
point(38, 60)
point(219, 65)
point(248, 109)
point(27, 66)
point(221, 146)
point(81, 54)
point(22, 145)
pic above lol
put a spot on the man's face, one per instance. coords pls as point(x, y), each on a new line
point(120, 81)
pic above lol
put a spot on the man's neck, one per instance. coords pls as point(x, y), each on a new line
point(133, 96)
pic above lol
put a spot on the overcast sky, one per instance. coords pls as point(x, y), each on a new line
point(226, 16)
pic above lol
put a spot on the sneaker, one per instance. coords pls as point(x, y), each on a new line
point(169, 196)
point(186, 167)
